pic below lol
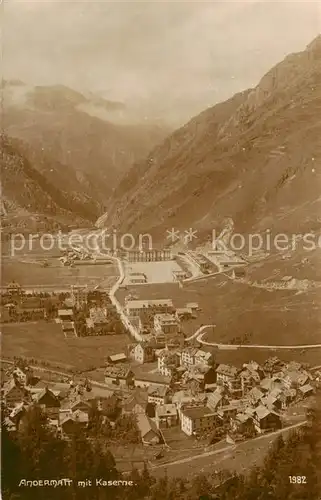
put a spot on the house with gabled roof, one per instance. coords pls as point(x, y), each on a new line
point(157, 395)
point(47, 400)
point(142, 353)
point(74, 422)
point(135, 403)
point(295, 378)
point(226, 373)
point(306, 390)
point(242, 423)
point(13, 393)
point(187, 356)
point(148, 430)
point(266, 420)
point(202, 357)
point(255, 395)
point(217, 399)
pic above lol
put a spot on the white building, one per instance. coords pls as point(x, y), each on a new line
point(197, 420)
point(137, 307)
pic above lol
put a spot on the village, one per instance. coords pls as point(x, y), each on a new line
point(165, 385)
point(187, 394)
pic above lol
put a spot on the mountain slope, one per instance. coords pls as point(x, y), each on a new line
point(60, 123)
point(30, 201)
point(255, 158)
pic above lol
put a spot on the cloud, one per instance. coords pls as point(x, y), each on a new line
point(170, 57)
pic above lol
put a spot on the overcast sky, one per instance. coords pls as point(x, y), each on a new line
point(171, 58)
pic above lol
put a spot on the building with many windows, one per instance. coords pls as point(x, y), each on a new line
point(197, 419)
point(152, 255)
point(137, 307)
point(166, 323)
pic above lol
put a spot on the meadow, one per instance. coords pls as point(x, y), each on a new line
point(45, 341)
point(278, 317)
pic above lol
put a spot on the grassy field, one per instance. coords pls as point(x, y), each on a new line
point(46, 341)
point(269, 317)
point(30, 272)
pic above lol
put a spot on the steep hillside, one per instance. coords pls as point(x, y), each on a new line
point(30, 201)
point(61, 123)
point(255, 158)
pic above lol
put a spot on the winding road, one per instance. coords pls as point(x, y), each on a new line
point(201, 332)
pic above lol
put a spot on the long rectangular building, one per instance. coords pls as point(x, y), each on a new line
point(136, 307)
point(148, 255)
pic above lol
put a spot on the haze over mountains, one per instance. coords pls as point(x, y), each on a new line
point(76, 147)
point(254, 158)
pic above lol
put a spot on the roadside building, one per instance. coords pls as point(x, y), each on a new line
point(266, 420)
point(197, 420)
point(242, 423)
